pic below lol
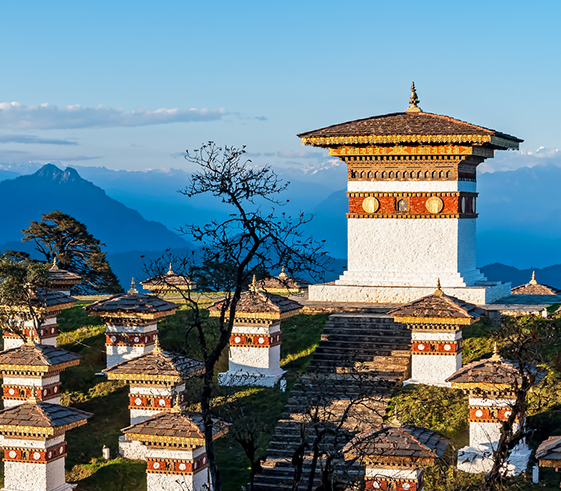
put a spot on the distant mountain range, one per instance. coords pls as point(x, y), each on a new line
point(519, 212)
point(550, 275)
point(121, 228)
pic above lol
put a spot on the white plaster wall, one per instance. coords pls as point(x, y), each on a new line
point(16, 402)
point(410, 186)
point(15, 442)
point(10, 342)
point(245, 357)
point(117, 354)
point(49, 341)
point(31, 381)
point(185, 454)
point(436, 336)
point(20, 476)
point(484, 434)
point(365, 293)
point(138, 415)
point(155, 391)
point(434, 369)
point(255, 329)
point(392, 473)
point(55, 474)
point(410, 252)
point(177, 482)
point(131, 329)
point(479, 401)
point(131, 449)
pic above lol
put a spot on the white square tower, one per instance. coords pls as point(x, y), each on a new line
point(412, 206)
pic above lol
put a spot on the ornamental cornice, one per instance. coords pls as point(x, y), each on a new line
point(433, 321)
point(320, 141)
point(405, 215)
point(413, 150)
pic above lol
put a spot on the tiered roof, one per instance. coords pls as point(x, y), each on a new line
point(260, 304)
point(47, 302)
point(409, 127)
point(437, 308)
point(168, 282)
point(132, 305)
point(62, 279)
point(40, 419)
point(549, 452)
point(493, 374)
point(156, 367)
point(534, 288)
point(282, 283)
point(405, 446)
point(173, 428)
point(36, 358)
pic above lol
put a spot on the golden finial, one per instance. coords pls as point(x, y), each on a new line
point(170, 270)
point(282, 273)
point(177, 404)
point(438, 292)
point(132, 290)
point(30, 341)
point(254, 284)
point(533, 280)
point(496, 356)
point(413, 101)
point(33, 398)
point(157, 347)
point(55, 264)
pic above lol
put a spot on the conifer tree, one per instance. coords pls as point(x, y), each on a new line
point(61, 236)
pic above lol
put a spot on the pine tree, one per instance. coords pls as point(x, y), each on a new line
point(61, 236)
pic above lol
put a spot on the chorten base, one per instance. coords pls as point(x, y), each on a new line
point(133, 450)
point(240, 378)
point(480, 460)
point(481, 293)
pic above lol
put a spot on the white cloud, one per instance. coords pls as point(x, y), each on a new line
point(32, 139)
point(46, 116)
point(505, 161)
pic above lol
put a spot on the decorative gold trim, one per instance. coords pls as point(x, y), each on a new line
point(430, 150)
point(394, 139)
point(432, 320)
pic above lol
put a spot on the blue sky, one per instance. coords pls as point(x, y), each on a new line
point(146, 80)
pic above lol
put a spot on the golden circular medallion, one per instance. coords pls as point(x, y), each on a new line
point(435, 204)
point(370, 204)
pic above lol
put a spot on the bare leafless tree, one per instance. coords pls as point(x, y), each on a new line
point(255, 237)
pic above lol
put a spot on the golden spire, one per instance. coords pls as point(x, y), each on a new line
point(438, 292)
point(170, 270)
point(176, 405)
point(55, 264)
point(533, 280)
point(133, 290)
point(413, 101)
point(254, 284)
point(157, 347)
point(496, 356)
point(30, 341)
point(282, 273)
point(32, 398)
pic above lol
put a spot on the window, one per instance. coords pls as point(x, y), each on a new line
point(401, 205)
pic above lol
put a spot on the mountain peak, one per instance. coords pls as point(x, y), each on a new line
point(52, 172)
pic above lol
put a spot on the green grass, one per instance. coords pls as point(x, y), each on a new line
point(256, 407)
point(446, 411)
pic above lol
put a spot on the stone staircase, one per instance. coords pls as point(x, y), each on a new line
point(360, 358)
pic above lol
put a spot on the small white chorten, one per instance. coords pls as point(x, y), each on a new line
point(132, 323)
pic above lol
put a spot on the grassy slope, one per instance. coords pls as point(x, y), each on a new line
point(445, 410)
point(108, 401)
